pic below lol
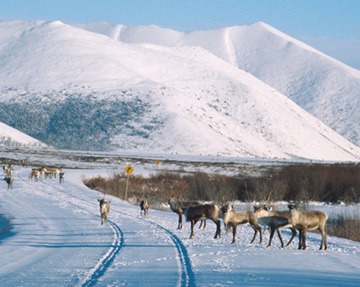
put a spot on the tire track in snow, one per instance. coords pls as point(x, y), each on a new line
point(99, 270)
point(105, 262)
point(186, 274)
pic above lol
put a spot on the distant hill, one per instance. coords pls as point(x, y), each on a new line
point(11, 138)
point(74, 89)
point(321, 85)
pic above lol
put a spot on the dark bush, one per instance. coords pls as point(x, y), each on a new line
point(320, 182)
point(345, 225)
point(316, 182)
point(156, 188)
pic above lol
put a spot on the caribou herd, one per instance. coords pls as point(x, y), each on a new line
point(265, 215)
point(36, 173)
point(194, 211)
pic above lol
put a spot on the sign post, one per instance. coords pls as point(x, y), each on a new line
point(157, 164)
point(128, 170)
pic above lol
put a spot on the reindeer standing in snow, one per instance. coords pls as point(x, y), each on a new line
point(9, 181)
point(144, 207)
point(61, 177)
point(179, 207)
point(104, 209)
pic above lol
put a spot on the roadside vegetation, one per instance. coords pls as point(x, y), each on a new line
point(344, 225)
point(330, 183)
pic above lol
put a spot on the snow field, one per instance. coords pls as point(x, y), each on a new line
point(57, 240)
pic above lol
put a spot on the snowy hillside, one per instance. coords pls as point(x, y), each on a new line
point(12, 138)
point(321, 85)
point(75, 89)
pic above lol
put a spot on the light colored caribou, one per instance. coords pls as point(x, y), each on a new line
point(51, 172)
point(267, 216)
point(179, 207)
point(37, 173)
point(195, 213)
point(8, 170)
point(308, 220)
point(104, 209)
point(144, 208)
point(234, 218)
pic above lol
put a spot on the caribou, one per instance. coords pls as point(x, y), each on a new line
point(274, 219)
point(233, 218)
point(308, 220)
point(35, 174)
point(144, 208)
point(8, 170)
point(52, 172)
point(179, 207)
point(55, 171)
point(9, 181)
point(104, 209)
point(61, 177)
point(195, 213)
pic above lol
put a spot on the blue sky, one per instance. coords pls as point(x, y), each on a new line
point(318, 22)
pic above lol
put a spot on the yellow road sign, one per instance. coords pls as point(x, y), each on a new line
point(158, 162)
point(129, 169)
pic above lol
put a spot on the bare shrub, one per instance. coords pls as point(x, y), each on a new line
point(301, 182)
point(322, 182)
point(199, 186)
point(97, 183)
point(345, 225)
point(156, 188)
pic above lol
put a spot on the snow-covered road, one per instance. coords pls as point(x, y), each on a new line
point(57, 240)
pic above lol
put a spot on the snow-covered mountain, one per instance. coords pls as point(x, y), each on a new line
point(72, 88)
point(321, 85)
point(12, 138)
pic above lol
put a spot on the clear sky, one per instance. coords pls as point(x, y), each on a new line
point(334, 21)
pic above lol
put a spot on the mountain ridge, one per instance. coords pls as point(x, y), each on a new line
point(87, 91)
point(310, 78)
point(11, 138)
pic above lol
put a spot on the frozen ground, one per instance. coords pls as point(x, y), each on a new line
point(57, 240)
